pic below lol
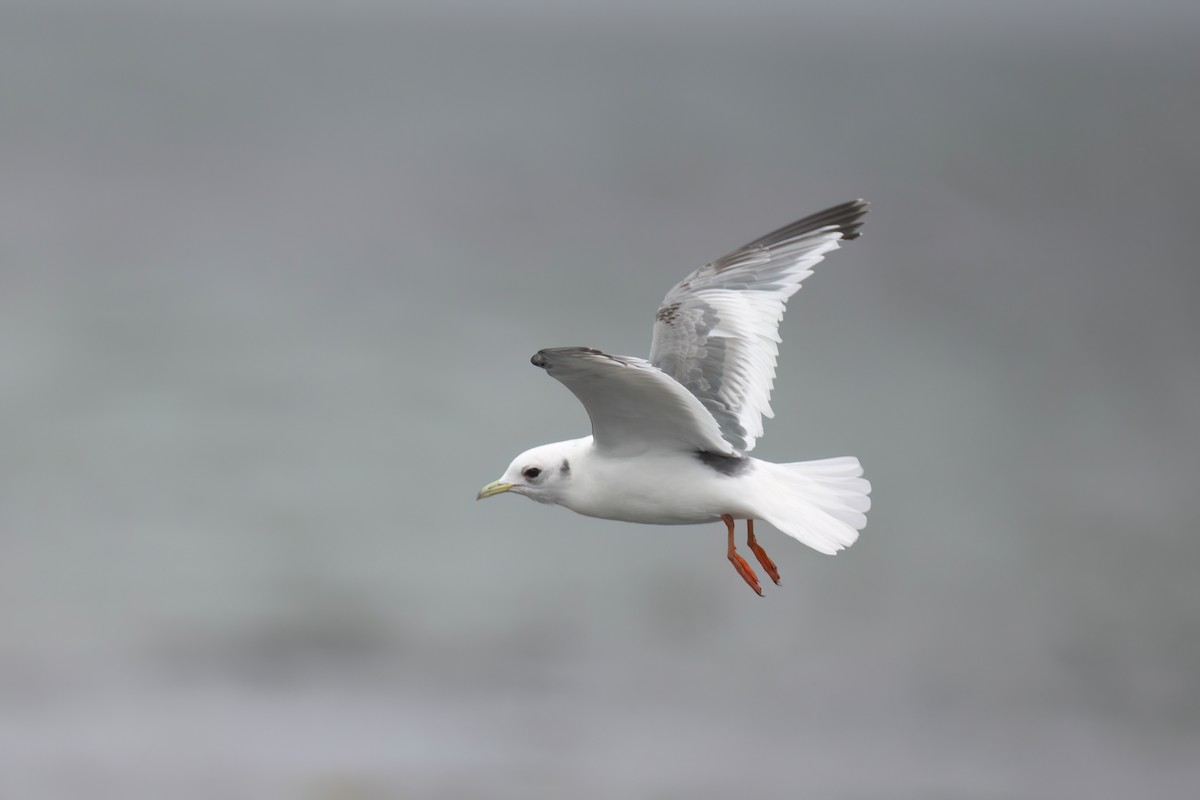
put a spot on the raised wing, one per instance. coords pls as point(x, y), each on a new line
point(632, 404)
point(717, 331)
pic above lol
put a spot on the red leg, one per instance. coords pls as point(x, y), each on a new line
point(761, 554)
point(738, 562)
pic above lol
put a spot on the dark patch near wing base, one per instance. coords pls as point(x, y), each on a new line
point(726, 465)
point(668, 313)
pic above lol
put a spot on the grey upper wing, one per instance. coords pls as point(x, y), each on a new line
point(632, 404)
point(717, 331)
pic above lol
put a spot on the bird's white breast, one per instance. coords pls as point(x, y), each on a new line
point(667, 488)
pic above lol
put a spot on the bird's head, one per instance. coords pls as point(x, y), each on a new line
point(542, 474)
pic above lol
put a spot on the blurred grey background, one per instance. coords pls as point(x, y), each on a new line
point(271, 276)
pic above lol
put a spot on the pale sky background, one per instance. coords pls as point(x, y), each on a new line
point(272, 273)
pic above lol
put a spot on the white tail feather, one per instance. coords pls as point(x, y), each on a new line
point(821, 503)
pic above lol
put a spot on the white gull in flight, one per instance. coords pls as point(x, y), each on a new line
point(671, 435)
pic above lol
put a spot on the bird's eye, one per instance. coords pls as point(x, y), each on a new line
point(532, 473)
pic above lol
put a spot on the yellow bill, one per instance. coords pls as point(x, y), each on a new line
point(495, 487)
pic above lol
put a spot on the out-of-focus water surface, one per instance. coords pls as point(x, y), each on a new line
point(271, 276)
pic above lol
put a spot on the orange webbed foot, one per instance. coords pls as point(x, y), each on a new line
point(738, 562)
point(761, 554)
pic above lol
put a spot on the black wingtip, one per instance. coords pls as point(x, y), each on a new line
point(542, 357)
point(855, 210)
point(846, 219)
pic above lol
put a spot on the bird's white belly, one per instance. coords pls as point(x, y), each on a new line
point(666, 491)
